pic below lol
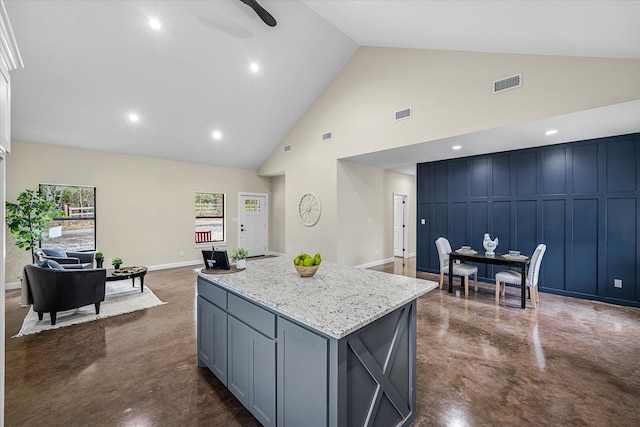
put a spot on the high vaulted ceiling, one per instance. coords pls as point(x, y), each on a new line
point(89, 64)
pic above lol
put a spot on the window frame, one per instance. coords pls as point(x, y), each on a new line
point(223, 217)
point(62, 219)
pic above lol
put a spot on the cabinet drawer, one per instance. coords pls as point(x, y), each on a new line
point(212, 293)
point(258, 318)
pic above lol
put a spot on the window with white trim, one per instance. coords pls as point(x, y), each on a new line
point(210, 217)
point(75, 230)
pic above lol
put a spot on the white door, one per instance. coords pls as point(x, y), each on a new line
point(252, 223)
point(399, 226)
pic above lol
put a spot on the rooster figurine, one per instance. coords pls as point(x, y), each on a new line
point(489, 245)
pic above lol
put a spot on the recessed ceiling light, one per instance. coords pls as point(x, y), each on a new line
point(456, 147)
point(551, 132)
point(133, 117)
point(154, 23)
point(216, 135)
point(254, 67)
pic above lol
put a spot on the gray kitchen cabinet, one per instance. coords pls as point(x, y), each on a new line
point(302, 376)
point(262, 378)
point(252, 370)
point(236, 341)
point(238, 359)
point(333, 359)
point(212, 329)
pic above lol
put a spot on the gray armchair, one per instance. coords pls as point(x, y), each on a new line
point(53, 290)
point(72, 260)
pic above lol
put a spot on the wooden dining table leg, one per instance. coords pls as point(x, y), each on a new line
point(450, 274)
point(523, 285)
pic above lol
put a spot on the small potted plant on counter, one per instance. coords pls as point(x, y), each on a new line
point(99, 259)
point(117, 262)
point(240, 257)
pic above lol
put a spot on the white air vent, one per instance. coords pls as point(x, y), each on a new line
point(287, 148)
point(326, 136)
point(403, 114)
point(507, 83)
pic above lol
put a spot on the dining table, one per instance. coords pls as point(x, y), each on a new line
point(506, 260)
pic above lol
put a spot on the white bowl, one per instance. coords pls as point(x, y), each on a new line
point(514, 253)
point(465, 248)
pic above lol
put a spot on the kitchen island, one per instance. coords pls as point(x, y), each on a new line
point(335, 349)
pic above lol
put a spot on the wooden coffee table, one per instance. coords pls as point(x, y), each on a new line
point(127, 273)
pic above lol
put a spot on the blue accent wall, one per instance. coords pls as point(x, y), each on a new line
point(581, 199)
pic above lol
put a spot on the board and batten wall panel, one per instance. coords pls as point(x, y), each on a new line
point(581, 199)
point(585, 231)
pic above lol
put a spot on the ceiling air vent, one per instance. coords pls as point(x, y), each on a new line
point(326, 136)
point(286, 148)
point(403, 114)
point(507, 83)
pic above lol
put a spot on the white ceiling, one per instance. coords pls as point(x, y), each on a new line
point(88, 64)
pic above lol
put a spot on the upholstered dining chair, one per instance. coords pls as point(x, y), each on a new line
point(462, 270)
point(514, 277)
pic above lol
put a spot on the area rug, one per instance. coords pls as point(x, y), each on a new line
point(120, 297)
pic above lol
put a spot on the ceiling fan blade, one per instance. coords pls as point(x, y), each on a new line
point(263, 14)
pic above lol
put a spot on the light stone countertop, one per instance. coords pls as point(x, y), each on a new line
point(336, 301)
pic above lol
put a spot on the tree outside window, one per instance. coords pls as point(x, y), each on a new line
point(76, 230)
point(209, 218)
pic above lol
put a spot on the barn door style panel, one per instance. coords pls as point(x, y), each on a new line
point(581, 199)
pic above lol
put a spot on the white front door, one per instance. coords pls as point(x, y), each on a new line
point(253, 220)
point(399, 204)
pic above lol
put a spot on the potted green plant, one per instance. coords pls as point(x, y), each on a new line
point(240, 257)
point(117, 262)
point(99, 259)
point(29, 217)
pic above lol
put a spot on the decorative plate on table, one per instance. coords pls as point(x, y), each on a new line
point(466, 251)
point(514, 256)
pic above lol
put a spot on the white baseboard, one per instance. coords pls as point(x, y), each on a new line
point(411, 255)
point(375, 263)
point(275, 253)
point(174, 265)
point(12, 285)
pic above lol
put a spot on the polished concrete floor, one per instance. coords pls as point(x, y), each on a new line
point(569, 363)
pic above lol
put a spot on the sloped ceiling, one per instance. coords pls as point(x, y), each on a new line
point(89, 64)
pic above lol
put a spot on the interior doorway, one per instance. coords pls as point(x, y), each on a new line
point(400, 230)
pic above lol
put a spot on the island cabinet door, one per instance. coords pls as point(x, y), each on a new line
point(302, 376)
point(212, 339)
point(252, 370)
point(262, 378)
point(238, 359)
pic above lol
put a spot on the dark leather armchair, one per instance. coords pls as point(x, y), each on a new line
point(52, 290)
point(73, 260)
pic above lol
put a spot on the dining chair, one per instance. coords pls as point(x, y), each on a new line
point(462, 270)
point(514, 278)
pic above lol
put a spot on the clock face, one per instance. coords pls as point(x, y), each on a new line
point(309, 209)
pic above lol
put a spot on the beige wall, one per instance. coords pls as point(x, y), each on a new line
point(144, 205)
point(277, 241)
point(361, 214)
point(365, 212)
point(450, 94)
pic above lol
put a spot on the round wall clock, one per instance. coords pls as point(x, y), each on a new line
point(309, 209)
